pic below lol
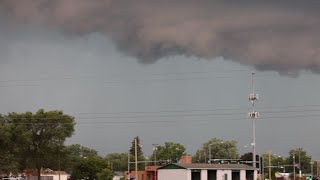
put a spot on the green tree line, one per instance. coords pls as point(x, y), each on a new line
point(35, 141)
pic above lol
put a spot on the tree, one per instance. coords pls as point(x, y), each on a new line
point(299, 155)
point(169, 151)
point(36, 138)
point(277, 163)
point(248, 157)
point(105, 174)
point(119, 161)
point(7, 161)
point(139, 153)
point(90, 168)
point(81, 151)
point(75, 153)
point(219, 150)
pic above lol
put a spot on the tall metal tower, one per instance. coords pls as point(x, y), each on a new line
point(253, 97)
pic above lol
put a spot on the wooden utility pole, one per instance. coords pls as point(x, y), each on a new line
point(136, 158)
point(318, 168)
point(269, 165)
point(294, 166)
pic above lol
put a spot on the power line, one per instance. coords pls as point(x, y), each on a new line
point(165, 114)
point(167, 121)
point(162, 116)
point(135, 75)
point(124, 75)
point(206, 110)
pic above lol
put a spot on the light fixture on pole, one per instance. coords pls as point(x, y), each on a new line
point(155, 159)
point(311, 163)
point(155, 153)
point(300, 171)
point(253, 115)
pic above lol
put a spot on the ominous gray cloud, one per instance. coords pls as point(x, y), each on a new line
point(271, 35)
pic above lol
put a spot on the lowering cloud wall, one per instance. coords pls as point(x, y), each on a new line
point(271, 35)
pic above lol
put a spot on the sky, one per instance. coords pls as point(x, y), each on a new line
point(166, 71)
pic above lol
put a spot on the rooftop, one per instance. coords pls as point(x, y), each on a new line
point(207, 166)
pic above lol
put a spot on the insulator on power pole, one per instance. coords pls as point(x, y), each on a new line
point(254, 114)
point(253, 97)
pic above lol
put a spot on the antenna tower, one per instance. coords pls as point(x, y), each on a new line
point(253, 97)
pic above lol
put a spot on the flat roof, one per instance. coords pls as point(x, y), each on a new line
point(208, 166)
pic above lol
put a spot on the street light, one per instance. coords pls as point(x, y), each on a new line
point(311, 163)
point(270, 156)
point(155, 159)
point(300, 170)
point(155, 153)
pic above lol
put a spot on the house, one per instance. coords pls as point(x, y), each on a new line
point(117, 175)
point(195, 171)
point(150, 173)
point(47, 174)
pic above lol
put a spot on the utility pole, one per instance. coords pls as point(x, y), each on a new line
point(300, 171)
point(318, 168)
point(205, 156)
point(294, 166)
point(269, 165)
point(311, 168)
point(136, 158)
point(262, 168)
point(129, 174)
point(59, 161)
point(59, 164)
point(254, 115)
point(209, 153)
point(155, 160)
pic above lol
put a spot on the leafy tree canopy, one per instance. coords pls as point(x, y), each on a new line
point(34, 138)
point(81, 151)
point(169, 151)
point(119, 161)
point(75, 153)
point(220, 149)
point(90, 168)
point(105, 174)
point(300, 158)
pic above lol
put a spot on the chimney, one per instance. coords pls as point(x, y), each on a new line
point(186, 159)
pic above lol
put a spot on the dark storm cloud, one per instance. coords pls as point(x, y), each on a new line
point(270, 35)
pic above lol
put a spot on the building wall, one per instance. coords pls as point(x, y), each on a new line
point(242, 174)
point(221, 173)
point(142, 175)
point(42, 178)
point(49, 177)
point(62, 177)
point(116, 178)
point(255, 175)
point(189, 176)
point(182, 174)
point(204, 174)
point(174, 174)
